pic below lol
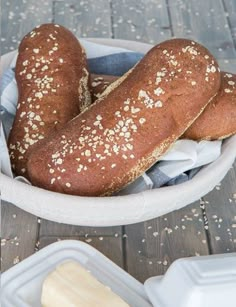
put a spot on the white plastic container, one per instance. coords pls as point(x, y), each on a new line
point(208, 281)
point(115, 210)
point(21, 285)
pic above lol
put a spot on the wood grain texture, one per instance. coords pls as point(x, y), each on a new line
point(92, 19)
point(220, 208)
point(19, 17)
point(19, 232)
point(110, 246)
point(152, 246)
point(145, 20)
point(56, 229)
point(228, 65)
point(204, 21)
point(86, 18)
point(230, 12)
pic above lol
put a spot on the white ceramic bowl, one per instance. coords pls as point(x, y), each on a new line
point(116, 210)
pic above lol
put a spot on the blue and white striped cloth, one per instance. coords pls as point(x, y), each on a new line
point(181, 162)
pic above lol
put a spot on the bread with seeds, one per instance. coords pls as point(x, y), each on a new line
point(53, 86)
point(99, 83)
point(218, 120)
point(131, 125)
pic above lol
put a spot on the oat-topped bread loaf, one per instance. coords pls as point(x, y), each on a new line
point(99, 83)
point(134, 122)
point(52, 80)
point(218, 120)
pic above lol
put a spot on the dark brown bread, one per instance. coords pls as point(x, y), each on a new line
point(52, 80)
point(99, 83)
point(134, 122)
point(218, 120)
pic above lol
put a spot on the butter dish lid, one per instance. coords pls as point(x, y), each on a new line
point(206, 281)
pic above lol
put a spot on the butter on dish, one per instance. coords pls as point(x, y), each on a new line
point(70, 285)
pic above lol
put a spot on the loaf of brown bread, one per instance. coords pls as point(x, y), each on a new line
point(52, 80)
point(134, 122)
point(218, 120)
point(99, 83)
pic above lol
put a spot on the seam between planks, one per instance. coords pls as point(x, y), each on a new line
point(206, 229)
point(169, 16)
point(124, 249)
point(229, 24)
point(37, 237)
point(112, 19)
point(53, 10)
point(63, 237)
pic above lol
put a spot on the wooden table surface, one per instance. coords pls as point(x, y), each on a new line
point(207, 226)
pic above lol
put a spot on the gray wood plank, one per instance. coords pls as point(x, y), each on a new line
point(228, 65)
point(147, 253)
point(92, 19)
point(110, 246)
point(86, 18)
point(205, 22)
point(19, 17)
point(230, 8)
point(145, 20)
point(152, 246)
point(56, 229)
point(107, 239)
point(19, 235)
point(220, 207)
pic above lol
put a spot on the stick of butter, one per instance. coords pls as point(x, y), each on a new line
point(70, 285)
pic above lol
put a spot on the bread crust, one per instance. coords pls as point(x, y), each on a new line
point(53, 85)
point(218, 120)
point(135, 121)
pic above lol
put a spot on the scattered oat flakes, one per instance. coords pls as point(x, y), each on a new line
point(16, 260)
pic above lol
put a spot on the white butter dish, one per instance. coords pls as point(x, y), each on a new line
point(206, 281)
point(21, 286)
